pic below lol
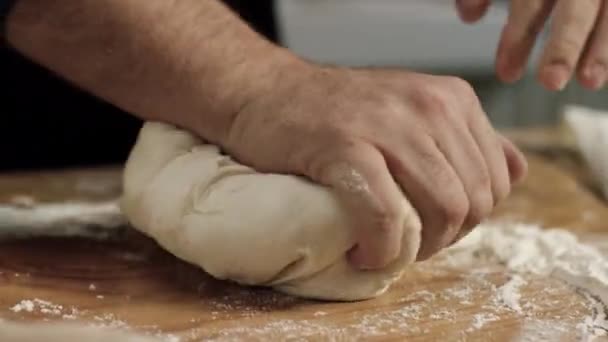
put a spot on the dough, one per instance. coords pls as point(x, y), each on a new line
point(259, 229)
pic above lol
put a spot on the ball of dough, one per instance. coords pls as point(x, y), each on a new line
point(253, 228)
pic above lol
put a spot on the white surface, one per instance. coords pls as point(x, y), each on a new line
point(414, 33)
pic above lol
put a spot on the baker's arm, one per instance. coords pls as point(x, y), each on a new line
point(371, 135)
point(174, 61)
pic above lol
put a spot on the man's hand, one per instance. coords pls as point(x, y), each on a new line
point(578, 40)
point(371, 134)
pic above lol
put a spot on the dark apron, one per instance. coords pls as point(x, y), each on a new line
point(47, 123)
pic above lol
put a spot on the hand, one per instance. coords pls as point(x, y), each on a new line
point(371, 134)
point(578, 40)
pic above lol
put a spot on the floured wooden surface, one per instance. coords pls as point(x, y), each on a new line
point(139, 289)
point(127, 282)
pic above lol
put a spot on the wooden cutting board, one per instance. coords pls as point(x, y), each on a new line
point(128, 281)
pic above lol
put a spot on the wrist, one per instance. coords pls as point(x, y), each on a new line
point(260, 72)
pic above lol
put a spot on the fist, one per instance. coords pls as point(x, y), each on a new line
point(375, 136)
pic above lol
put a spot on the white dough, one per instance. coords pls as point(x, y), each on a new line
point(256, 229)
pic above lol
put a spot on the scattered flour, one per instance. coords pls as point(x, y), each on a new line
point(22, 201)
point(553, 253)
point(38, 305)
point(93, 220)
point(462, 293)
point(522, 249)
point(24, 305)
point(104, 321)
point(479, 320)
point(509, 293)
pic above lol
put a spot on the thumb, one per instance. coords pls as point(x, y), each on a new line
point(516, 161)
point(359, 175)
point(471, 11)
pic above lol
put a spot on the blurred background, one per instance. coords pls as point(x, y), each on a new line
point(425, 35)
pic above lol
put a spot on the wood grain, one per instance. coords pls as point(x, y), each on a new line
point(128, 281)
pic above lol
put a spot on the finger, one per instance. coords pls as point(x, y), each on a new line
point(485, 168)
point(465, 152)
point(359, 174)
point(490, 144)
point(525, 22)
point(570, 30)
point(471, 11)
point(518, 168)
point(593, 68)
point(516, 161)
point(434, 189)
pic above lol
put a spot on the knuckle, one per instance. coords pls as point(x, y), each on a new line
point(464, 93)
point(454, 210)
point(431, 101)
point(564, 50)
point(461, 85)
point(434, 167)
point(329, 165)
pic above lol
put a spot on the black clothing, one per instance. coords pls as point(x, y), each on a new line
point(47, 123)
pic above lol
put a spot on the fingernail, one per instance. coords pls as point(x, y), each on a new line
point(596, 75)
point(556, 76)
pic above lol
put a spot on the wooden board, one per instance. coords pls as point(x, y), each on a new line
point(130, 282)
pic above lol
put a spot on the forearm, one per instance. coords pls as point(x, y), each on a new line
point(192, 63)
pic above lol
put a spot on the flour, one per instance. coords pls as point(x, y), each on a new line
point(107, 321)
point(526, 251)
point(480, 320)
point(530, 255)
point(94, 220)
point(24, 305)
point(552, 253)
point(464, 294)
point(509, 293)
point(38, 305)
